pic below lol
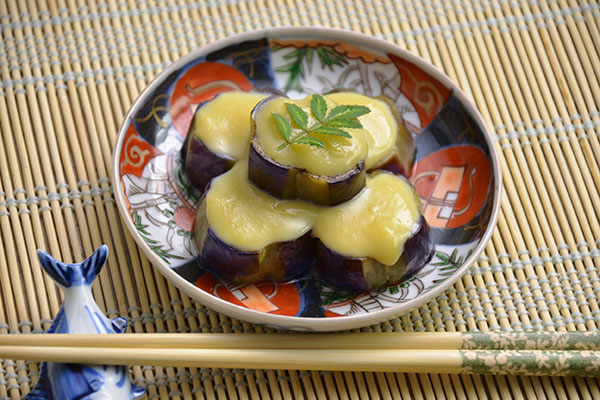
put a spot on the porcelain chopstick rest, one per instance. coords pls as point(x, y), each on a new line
point(79, 313)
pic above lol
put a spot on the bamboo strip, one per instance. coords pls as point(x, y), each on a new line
point(138, 276)
point(4, 331)
point(213, 323)
point(11, 302)
point(488, 91)
point(528, 183)
point(170, 324)
point(587, 39)
point(78, 139)
point(3, 388)
point(575, 201)
point(164, 50)
point(61, 155)
point(483, 50)
point(73, 123)
point(558, 209)
point(47, 147)
point(90, 143)
point(99, 97)
point(19, 214)
point(591, 25)
point(16, 284)
point(89, 99)
point(580, 78)
point(203, 326)
point(566, 108)
point(421, 46)
point(187, 26)
point(186, 304)
point(34, 181)
point(147, 54)
point(510, 191)
point(116, 86)
point(386, 381)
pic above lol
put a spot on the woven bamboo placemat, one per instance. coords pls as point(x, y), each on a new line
point(70, 69)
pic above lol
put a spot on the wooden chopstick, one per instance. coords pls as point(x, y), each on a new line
point(521, 362)
point(544, 353)
point(398, 341)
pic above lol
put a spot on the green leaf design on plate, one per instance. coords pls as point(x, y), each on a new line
point(153, 244)
point(302, 58)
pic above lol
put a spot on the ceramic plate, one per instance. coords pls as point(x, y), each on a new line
point(456, 171)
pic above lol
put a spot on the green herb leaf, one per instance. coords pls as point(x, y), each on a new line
point(318, 107)
point(298, 115)
point(313, 141)
point(345, 123)
point(284, 126)
point(329, 130)
point(347, 112)
point(332, 124)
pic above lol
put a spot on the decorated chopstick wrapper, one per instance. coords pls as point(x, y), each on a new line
point(80, 314)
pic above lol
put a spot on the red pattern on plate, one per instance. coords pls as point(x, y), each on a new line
point(453, 185)
point(424, 92)
point(136, 153)
point(267, 296)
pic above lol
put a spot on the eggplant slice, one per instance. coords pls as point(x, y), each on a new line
point(326, 176)
point(286, 182)
point(218, 136)
point(378, 238)
point(244, 235)
point(366, 273)
point(391, 146)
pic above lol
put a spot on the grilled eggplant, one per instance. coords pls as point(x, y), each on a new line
point(391, 146)
point(218, 136)
point(244, 235)
point(325, 175)
point(377, 238)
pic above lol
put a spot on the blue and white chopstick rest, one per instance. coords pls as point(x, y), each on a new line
point(80, 314)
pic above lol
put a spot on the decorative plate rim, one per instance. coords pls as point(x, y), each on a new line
point(295, 322)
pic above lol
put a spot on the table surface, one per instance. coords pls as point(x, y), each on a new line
point(70, 69)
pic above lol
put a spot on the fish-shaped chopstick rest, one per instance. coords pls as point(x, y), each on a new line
point(80, 314)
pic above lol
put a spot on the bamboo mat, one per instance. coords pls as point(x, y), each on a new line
point(69, 70)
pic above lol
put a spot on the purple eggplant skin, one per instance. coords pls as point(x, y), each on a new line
point(279, 261)
point(286, 182)
point(395, 163)
point(200, 164)
point(347, 273)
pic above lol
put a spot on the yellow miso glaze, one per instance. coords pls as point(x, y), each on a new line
point(376, 223)
point(379, 126)
point(223, 124)
point(338, 156)
point(249, 219)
